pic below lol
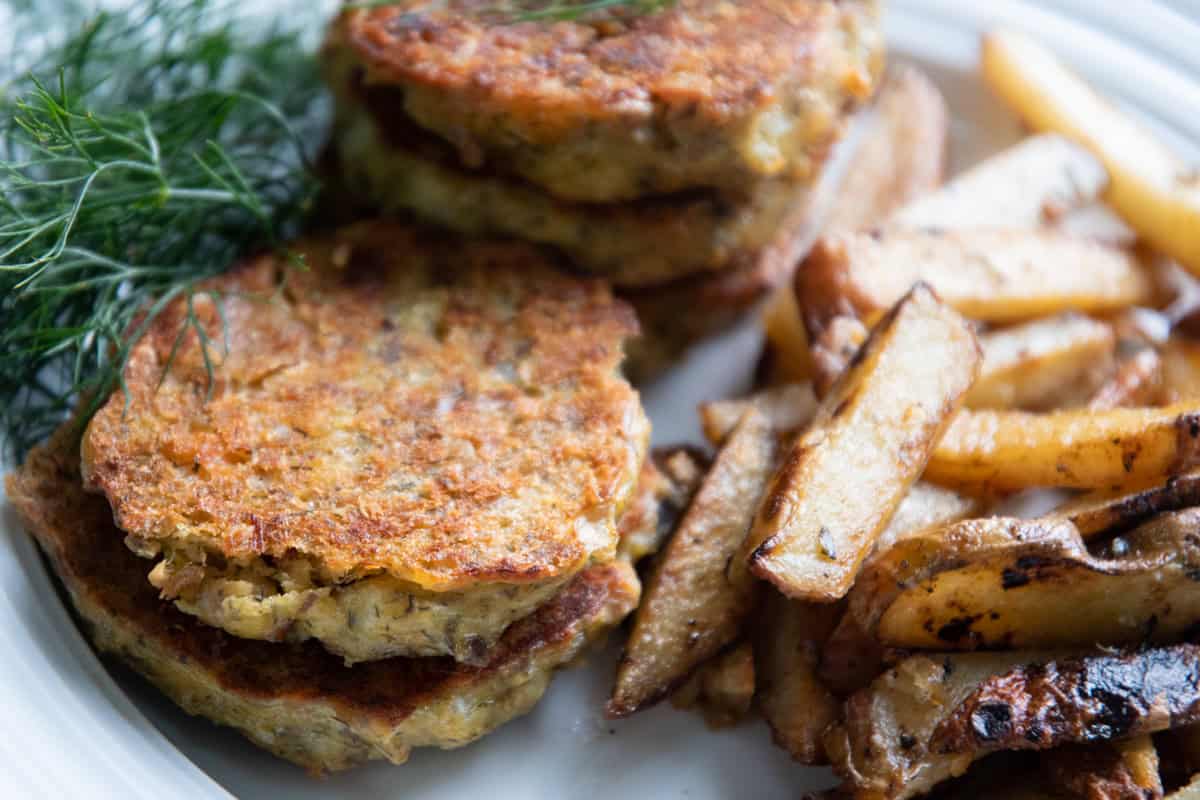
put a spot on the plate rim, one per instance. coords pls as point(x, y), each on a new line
point(1154, 47)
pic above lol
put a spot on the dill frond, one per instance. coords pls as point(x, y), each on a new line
point(144, 152)
point(555, 10)
point(508, 11)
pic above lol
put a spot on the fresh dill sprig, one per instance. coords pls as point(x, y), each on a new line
point(509, 11)
point(551, 10)
point(142, 153)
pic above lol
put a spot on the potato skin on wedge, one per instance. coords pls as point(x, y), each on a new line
point(1110, 512)
point(1003, 451)
point(1024, 187)
point(989, 275)
point(1044, 364)
point(843, 477)
point(902, 155)
point(1038, 706)
point(1002, 583)
point(786, 407)
point(691, 610)
point(929, 717)
point(791, 696)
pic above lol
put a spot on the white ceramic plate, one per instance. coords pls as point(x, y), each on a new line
point(77, 728)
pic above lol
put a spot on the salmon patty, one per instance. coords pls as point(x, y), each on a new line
point(295, 699)
point(705, 93)
point(400, 448)
point(639, 244)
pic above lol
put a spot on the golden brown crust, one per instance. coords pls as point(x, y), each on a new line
point(723, 91)
point(442, 412)
point(1039, 706)
point(715, 56)
point(392, 165)
point(297, 700)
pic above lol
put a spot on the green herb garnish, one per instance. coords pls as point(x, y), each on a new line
point(144, 152)
point(507, 11)
point(533, 10)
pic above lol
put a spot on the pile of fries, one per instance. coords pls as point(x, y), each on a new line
point(852, 565)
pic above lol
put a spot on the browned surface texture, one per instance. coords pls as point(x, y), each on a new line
point(721, 689)
point(1033, 183)
point(1076, 700)
point(1052, 362)
point(1106, 771)
point(844, 476)
point(902, 156)
point(1118, 449)
point(1113, 512)
point(692, 610)
point(793, 699)
point(297, 700)
point(990, 275)
point(441, 412)
point(928, 718)
point(787, 407)
point(1024, 584)
point(704, 92)
point(643, 242)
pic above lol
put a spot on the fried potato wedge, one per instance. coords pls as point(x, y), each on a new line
point(721, 689)
point(1022, 188)
point(690, 610)
point(792, 698)
point(882, 749)
point(1139, 757)
point(1103, 771)
point(901, 157)
point(1033, 584)
point(1001, 776)
point(1181, 370)
point(1053, 362)
point(786, 408)
point(1094, 698)
point(1124, 769)
point(926, 506)
point(1137, 381)
point(851, 656)
point(1110, 512)
point(844, 475)
point(786, 335)
point(1151, 188)
point(833, 349)
point(989, 275)
point(999, 451)
point(926, 719)
point(673, 476)
point(1096, 221)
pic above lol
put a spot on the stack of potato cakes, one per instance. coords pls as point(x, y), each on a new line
point(360, 506)
point(672, 153)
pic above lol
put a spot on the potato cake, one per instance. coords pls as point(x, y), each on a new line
point(295, 699)
point(704, 93)
point(399, 448)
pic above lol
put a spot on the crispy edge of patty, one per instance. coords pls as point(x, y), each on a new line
point(566, 320)
point(380, 617)
point(646, 243)
point(705, 93)
point(297, 701)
